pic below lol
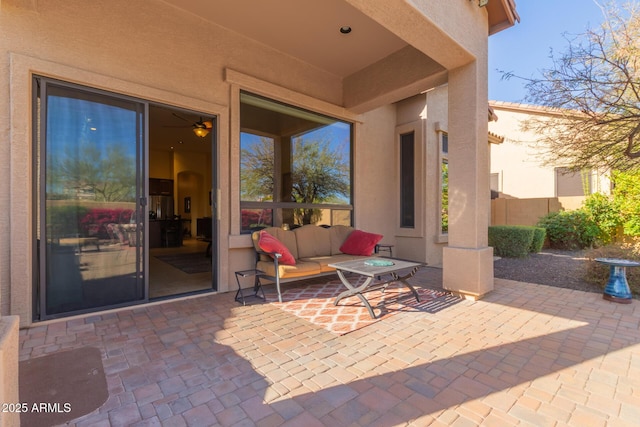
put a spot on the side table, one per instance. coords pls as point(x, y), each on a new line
point(257, 285)
point(617, 288)
point(384, 247)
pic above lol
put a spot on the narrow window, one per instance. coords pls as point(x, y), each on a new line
point(444, 183)
point(407, 180)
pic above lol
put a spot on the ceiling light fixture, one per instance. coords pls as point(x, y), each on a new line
point(345, 29)
point(201, 128)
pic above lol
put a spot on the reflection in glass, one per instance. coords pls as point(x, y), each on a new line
point(92, 236)
point(444, 198)
point(290, 156)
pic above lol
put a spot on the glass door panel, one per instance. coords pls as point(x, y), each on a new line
point(91, 224)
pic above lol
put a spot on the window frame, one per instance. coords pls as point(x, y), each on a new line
point(407, 174)
point(276, 206)
point(585, 176)
point(417, 127)
point(443, 157)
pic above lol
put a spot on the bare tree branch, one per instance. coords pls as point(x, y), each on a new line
point(593, 91)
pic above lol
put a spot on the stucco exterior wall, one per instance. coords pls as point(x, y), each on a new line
point(427, 115)
point(375, 194)
point(519, 160)
point(9, 392)
point(122, 47)
point(153, 51)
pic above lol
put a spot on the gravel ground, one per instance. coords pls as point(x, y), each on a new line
point(563, 269)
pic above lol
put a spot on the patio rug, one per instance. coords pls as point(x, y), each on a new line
point(61, 386)
point(314, 303)
point(189, 263)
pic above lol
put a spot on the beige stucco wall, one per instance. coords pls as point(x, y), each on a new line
point(9, 392)
point(529, 211)
point(519, 162)
point(426, 114)
point(155, 52)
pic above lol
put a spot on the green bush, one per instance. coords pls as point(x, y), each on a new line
point(539, 235)
point(626, 196)
point(570, 229)
point(604, 212)
point(512, 241)
point(63, 220)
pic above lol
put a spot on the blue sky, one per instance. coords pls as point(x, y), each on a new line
point(524, 49)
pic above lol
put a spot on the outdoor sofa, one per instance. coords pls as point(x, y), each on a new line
point(307, 251)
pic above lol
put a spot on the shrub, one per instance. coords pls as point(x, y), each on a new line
point(63, 220)
point(598, 274)
point(539, 235)
point(626, 194)
point(570, 229)
point(94, 222)
point(604, 212)
point(512, 241)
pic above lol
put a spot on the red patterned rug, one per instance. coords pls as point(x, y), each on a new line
point(314, 303)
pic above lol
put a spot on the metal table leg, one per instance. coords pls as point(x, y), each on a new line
point(351, 290)
point(257, 285)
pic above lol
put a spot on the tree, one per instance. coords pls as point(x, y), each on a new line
point(257, 170)
point(594, 91)
point(109, 177)
point(319, 173)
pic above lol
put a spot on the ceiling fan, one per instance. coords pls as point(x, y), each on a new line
point(201, 128)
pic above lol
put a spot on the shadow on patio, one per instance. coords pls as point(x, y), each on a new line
point(525, 354)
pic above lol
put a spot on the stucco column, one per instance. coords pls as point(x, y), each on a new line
point(9, 342)
point(467, 260)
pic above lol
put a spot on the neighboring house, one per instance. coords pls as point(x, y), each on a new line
point(97, 97)
point(518, 170)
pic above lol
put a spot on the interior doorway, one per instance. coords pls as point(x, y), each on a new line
point(180, 178)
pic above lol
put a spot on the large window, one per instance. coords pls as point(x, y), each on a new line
point(295, 166)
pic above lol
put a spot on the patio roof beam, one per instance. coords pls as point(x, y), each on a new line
point(396, 77)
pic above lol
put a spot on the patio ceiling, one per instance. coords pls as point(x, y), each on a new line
point(377, 66)
point(304, 29)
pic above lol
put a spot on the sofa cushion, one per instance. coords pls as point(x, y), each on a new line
point(338, 234)
point(301, 269)
point(269, 243)
point(360, 243)
point(287, 237)
point(313, 241)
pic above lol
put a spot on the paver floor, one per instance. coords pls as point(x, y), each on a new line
point(524, 355)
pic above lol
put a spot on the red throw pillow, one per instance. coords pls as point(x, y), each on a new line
point(360, 243)
point(268, 243)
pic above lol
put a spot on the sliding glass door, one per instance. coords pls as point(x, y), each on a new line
point(90, 222)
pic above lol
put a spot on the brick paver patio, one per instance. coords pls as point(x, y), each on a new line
point(525, 355)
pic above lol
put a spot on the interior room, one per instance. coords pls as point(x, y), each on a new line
point(180, 181)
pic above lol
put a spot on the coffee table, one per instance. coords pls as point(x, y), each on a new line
point(361, 268)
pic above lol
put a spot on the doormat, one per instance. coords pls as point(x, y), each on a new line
point(314, 303)
point(188, 263)
point(60, 387)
